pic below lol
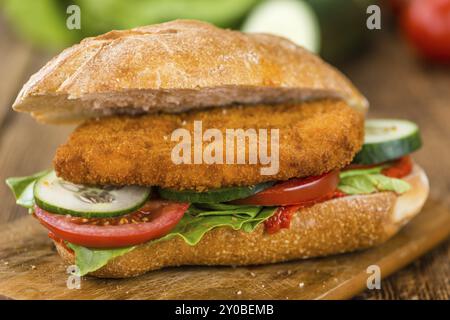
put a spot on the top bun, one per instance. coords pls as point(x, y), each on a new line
point(177, 66)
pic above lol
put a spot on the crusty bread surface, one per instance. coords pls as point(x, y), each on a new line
point(174, 67)
point(335, 226)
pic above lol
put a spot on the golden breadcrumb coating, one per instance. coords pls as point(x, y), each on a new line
point(315, 137)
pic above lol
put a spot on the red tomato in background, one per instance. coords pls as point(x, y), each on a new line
point(397, 6)
point(426, 24)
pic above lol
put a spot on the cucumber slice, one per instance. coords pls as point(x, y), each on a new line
point(292, 19)
point(213, 195)
point(58, 196)
point(387, 139)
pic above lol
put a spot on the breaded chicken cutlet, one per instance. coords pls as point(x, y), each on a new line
point(315, 137)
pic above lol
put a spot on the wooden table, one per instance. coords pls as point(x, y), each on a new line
point(399, 86)
point(396, 84)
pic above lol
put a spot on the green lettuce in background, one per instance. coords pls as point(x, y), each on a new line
point(43, 22)
point(102, 14)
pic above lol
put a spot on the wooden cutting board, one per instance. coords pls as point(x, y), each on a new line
point(31, 269)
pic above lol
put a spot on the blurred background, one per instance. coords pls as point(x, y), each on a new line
point(402, 68)
point(334, 28)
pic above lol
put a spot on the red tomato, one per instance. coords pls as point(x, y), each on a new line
point(357, 166)
point(281, 219)
point(426, 24)
point(399, 168)
point(398, 5)
point(395, 168)
point(152, 221)
point(301, 191)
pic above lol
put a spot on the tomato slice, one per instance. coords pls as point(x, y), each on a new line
point(300, 191)
point(399, 168)
point(283, 215)
point(152, 221)
point(357, 166)
point(281, 219)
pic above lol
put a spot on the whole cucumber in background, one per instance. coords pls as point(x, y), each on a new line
point(343, 27)
point(334, 28)
point(42, 22)
point(292, 19)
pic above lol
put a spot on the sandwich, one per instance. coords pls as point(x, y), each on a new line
point(202, 146)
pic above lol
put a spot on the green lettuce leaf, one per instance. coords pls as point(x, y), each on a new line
point(365, 181)
point(89, 260)
point(220, 209)
point(193, 227)
point(359, 172)
point(199, 219)
point(22, 188)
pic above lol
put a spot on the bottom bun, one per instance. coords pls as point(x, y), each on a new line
point(335, 226)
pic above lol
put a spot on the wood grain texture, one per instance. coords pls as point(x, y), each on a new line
point(30, 269)
point(395, 83)
point(426, 278)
